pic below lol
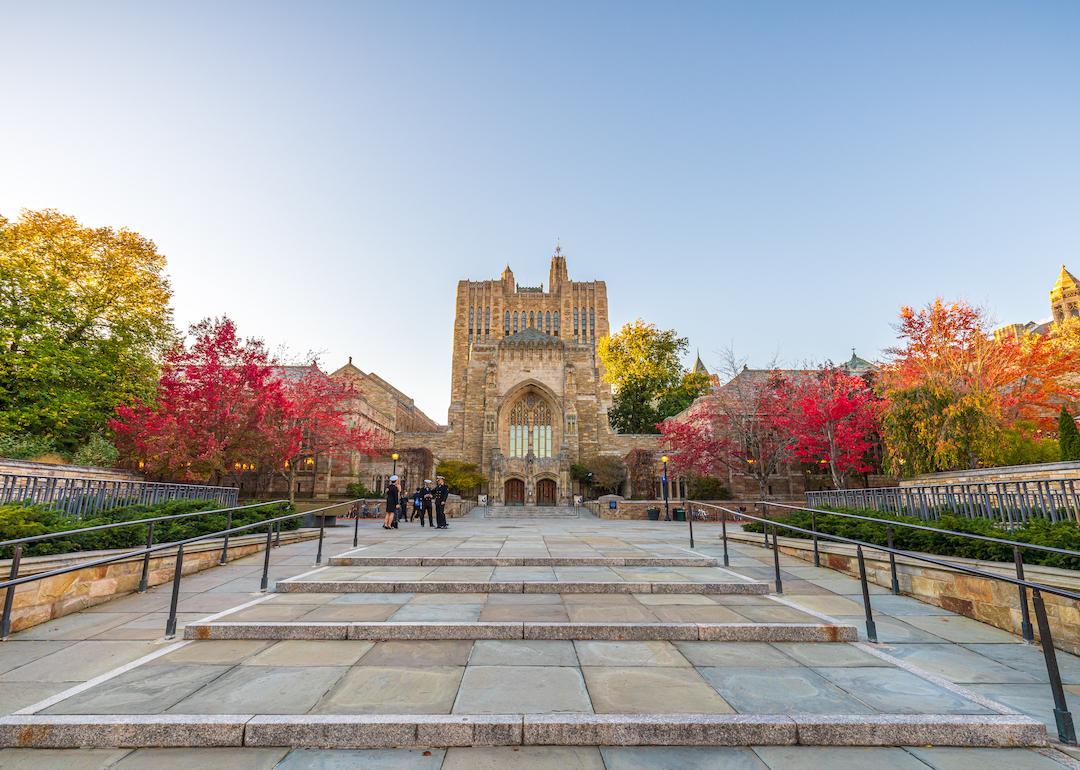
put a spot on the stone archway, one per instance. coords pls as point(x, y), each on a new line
point(514, 492)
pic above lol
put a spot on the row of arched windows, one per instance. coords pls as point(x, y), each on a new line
point(545, 321)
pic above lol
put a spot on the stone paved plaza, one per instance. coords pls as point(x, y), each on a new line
point(535, 636)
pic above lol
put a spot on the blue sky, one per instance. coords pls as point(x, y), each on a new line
point(778, 176)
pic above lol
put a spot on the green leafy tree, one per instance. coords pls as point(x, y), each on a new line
point(1068, 436)
point(463, 478)
point(642, 364)
point(98, 451)
point(608, 473)
point(84, 313)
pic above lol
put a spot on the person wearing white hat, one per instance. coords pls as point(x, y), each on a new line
point(425, 500)
point(392, 498)
point(441, 492)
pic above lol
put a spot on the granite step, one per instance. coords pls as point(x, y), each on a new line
point(523, 561)
point(562, 729)
point(383, 631)
point(520, 587)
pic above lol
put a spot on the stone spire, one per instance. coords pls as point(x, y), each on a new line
point(508, 279)
point(1065, 296)
point(699, 367)
point(558, 275)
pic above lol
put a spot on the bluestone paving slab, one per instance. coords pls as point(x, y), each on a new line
point(680, 758)
point(650, 690)
point(780, 691)
point(80, 625)
point(79, 662)
point(60, 759)
point(218, 652)
point(452, 613)
point(373, 689)
point(1035, 700)
point(899, 606)
point(735, 654)
point(18, 695)
point(956, 628)
point(602, 653)
point(15, 653)
point(538, 613)
point(1029, 659)
point(262, 690)
point(895, 691)
point(350, 612)
point(143, 690)
point(419, 653)
point(367, 759)
point(310, 653)
point(523, 652)
point(953, 758)
point(524, 758)
point(844, 758)
point(528, 689)
point(247, 758)
point(828, 654)
point(958, 664)
point(891, 630)
point(370, 598)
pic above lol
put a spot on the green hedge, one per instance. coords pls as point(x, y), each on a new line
point(20, 520)
point(1063, 534)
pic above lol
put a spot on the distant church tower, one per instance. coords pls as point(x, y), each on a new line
point(1065, 297)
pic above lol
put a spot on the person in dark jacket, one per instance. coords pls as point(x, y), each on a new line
point(425, 503)
point(440, 494)
point(392, 498)
point(416, 505)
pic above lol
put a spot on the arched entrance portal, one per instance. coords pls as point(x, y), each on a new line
point(514, 492)
point(545, 492)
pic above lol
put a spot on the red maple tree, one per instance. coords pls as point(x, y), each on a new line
point(831, 419)
point(320, 421)
point(218, 401)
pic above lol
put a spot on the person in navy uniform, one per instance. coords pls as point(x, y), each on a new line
point(390, 520)
point(426, 494)
point(440, 493)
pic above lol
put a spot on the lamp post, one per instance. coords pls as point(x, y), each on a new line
point(394, 457)
point(663, 486)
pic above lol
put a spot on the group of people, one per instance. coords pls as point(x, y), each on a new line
point(424, 499)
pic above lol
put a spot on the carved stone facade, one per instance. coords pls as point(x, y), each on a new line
point(527, 395)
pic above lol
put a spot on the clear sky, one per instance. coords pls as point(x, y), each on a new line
point(780, 176)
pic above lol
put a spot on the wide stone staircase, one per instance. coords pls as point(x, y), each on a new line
point(531, 641)
point(534, 512)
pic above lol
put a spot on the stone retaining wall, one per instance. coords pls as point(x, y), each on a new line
point(990, 601)
point(53, 597)
point(629, 510)
point(58, 470)
point(1035, 472)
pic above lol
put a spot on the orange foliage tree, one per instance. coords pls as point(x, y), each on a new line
point(953, 389)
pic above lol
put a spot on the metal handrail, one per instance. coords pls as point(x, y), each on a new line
point(133, 522)
point(1066, 729)
point(973, 536)
point(170, 628)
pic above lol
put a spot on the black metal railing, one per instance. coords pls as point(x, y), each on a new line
point(1011, 502)
point(82, 497)
point(273, 536)
point(1016, 546)
point(1065, 727)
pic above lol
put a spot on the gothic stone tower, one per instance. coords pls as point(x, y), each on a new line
point(527, 398)
point(1065, 297)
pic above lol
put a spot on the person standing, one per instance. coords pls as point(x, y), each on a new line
point(392, 499)
point(416, 504)
point(440, 494)
point(426, 495)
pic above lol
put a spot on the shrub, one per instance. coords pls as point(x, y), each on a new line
point(24, 446)
point(97, 451)
point(358, 490)
point(19, 520)
point(708, 488)
point(1062, 534)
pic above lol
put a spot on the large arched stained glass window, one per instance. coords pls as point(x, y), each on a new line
point(530, 427)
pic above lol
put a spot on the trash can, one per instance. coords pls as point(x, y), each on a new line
point(678, 514)
point(654, 514)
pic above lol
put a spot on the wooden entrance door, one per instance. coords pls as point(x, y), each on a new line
point(545, 492)
point(514, 492)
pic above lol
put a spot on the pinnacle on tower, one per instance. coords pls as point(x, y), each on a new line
point(558, 274)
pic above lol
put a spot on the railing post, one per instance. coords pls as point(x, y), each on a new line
point(1025, 614)
point(776, 561)
point(356, 530)
point(266, 560)
point(322, 528)
point(225, 545)
point(765, 524)
point(723, 535)
point(813, 528)
point(892, 561)
point(144, 578)
point(871, 628)
point(277, 534)
point(1066, 729)
point(9, 595)
point(170, 625)
point(690, 521)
